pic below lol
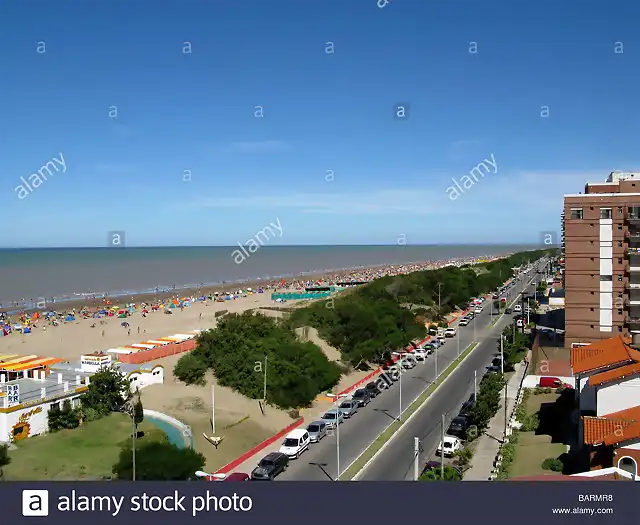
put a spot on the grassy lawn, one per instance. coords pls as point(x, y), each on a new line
point(85, 453)
point(531, 451)
point(535, 401)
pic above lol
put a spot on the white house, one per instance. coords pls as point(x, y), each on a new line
point(140, 376)
point(607, 375)
point(24, 403)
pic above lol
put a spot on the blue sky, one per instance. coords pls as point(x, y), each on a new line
point(322, 111)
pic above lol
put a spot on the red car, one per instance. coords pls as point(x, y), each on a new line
point(237, 476)
point(552, 382)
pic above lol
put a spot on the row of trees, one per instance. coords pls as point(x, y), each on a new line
point(487, 402)
point(242, 347)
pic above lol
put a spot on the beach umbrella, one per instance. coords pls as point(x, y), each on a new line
point(124, 324)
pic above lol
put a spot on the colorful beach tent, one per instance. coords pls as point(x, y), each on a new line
point(143, 346)
point(158, 342)
point(69, 318)
point(26, 330)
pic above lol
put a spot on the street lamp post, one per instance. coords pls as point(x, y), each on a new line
point(337, 398)
point(401, 355)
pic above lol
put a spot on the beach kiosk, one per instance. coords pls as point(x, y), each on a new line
point(95, 361)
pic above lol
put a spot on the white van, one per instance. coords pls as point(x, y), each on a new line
point(517, 308)
point(296, 442)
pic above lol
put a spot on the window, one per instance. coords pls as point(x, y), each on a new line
point(619, 261)
point(606, 277)
point(619, 312)
point(55, 406)
point(619, 244)
point(620, 210)
point(628, 465)
point(605, 213)
point(619, 277)
point(576, 213)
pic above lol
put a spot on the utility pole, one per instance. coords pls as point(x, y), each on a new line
point(442, 452)
point(213, 409)
point(264, 390)
point(337, 440)
point(458, 338)
point(439, 286)
point(416, 459)
point(133, 439)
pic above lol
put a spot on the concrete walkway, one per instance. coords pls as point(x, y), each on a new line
point(489, 443)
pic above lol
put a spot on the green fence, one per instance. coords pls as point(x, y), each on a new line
point(291, 296)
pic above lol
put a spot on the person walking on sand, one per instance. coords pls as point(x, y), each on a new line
point(138, 329)
point(129, 331)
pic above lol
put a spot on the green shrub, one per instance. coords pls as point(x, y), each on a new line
point(235, 350)
point(530, 423)
point(91, 414)
point(190, 369)
point(553, 464)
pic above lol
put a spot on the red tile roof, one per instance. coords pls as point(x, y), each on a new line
point(613, 428)
point(602, 354)
point(615, 374)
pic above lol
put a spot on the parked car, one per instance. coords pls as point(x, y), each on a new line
point(478, 309)
point(441, 339)
point(463, 322)
point(270, 466)
point(466, 409)
point(388, 373)
point(508, 311)
point(296, 442)
point(373, 389)
point(317, 430)
point(450, 332)
point(407, 364)
point(517, 308)
point(362, 397)
point(237, 476)
point(429, 347)
point(458, 427)
point(451, 446)
point(331, 416)
point(553, 382)
point(349, 408)
point(420, 354)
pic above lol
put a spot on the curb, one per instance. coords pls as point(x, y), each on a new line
point(258, 448)
point(422, 405)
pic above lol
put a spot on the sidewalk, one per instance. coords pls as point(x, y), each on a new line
point(489, 443)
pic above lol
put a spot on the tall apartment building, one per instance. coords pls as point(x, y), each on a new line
point(601, 245)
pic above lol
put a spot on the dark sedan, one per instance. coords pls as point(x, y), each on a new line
point(372, 388)
point(362, 396)
point(270, 466)
point(458, 427)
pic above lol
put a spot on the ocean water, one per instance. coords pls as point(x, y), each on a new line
point(68, 273)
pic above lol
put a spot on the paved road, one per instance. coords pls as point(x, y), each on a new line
point(395, 463)
point(319, 462)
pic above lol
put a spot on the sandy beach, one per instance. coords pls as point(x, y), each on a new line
point(239, 420)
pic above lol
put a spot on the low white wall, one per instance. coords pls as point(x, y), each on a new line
point(534, 381)
point(171, 420)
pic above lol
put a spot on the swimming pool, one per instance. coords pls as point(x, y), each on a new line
point(174, 434)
